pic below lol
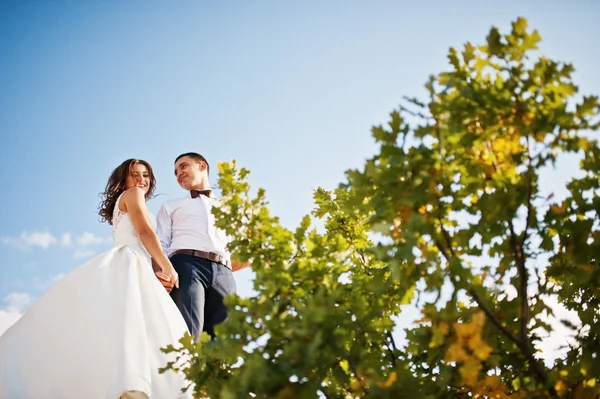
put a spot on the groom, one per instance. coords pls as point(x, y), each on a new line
point(197, 249)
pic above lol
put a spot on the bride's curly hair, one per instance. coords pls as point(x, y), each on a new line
point(116, 186)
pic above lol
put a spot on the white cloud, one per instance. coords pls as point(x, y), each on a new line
point(40, 239)
point(13, 307)
point(16, 302)
point(45, 239)
point(28, 239)
point(83, 253)
point(7, 319)
point(87, 239)
point(65, 239)
point(84, 241)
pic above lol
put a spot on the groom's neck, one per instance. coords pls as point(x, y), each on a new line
point(202, 186)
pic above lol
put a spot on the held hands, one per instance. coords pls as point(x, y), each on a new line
point(169, 280)
point(168, 277)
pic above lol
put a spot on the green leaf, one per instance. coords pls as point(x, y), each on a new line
point(519, 26)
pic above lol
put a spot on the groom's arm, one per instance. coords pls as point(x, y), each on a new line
point(163, 230)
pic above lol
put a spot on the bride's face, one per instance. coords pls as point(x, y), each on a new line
point(139, 176)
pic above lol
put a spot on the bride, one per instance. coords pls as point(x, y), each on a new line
point(97, 333)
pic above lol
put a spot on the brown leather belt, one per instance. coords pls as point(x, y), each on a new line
point(204, 255)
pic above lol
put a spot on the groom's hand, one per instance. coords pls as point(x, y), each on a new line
point(165, 281)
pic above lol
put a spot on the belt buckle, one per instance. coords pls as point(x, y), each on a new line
point(220, 259)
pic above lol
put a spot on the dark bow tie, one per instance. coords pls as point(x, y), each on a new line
point(196, 193)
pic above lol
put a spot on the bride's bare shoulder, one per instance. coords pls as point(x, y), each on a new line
point(131, 196)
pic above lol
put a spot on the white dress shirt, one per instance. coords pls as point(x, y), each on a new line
point(188, 223)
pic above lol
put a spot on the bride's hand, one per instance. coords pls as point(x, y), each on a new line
point(167, 276)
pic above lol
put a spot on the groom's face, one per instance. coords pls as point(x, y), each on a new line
point(189, 172)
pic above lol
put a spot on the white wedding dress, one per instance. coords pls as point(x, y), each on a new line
point(98, 332)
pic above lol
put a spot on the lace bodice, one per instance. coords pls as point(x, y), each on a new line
point(124, 232)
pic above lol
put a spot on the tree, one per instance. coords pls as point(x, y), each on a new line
point(448, 215)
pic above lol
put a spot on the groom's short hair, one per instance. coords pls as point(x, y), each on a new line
point(197, 157)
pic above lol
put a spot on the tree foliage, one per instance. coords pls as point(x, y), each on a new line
point(448, 216)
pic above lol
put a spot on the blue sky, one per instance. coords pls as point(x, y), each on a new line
point(288, 89)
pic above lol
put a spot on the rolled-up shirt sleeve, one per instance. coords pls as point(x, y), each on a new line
point(163, 228)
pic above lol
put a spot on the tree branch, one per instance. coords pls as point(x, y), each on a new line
point(395, 349)
point(523, 343)
point(523, 280)
point(493, 319)
point(529, 195)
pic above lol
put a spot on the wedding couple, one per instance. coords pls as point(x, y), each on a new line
point(97, 333)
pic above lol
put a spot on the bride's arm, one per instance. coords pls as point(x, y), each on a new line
point(135, 205)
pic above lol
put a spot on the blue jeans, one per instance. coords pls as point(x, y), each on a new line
point(202, 286)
